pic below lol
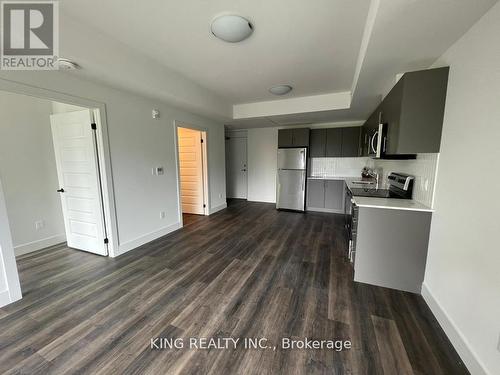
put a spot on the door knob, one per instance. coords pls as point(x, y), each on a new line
point(60, 190)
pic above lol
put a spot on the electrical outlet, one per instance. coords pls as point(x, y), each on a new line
point(39, 225)
point(163, 215)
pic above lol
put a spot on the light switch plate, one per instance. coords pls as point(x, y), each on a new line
point(155, 114)
point(39, 225)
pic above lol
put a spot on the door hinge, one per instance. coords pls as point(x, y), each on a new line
point(106, 241)
point(93, 126)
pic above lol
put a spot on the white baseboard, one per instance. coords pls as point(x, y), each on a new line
point(262, 200)
point(4, 298)
point(326, 210)
point(459, 341)
point(39, 244)
point(217, 209)
point(130, 245)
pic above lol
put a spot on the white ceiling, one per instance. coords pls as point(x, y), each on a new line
point(164, 49)
point(309, 45)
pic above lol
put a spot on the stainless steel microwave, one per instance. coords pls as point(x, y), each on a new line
point(377, 141)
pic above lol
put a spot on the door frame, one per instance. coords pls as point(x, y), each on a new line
point(204, 154)
point(99, 112)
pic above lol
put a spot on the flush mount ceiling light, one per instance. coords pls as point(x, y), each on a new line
point(65, 64)
point(280, 89)
point(232, 28)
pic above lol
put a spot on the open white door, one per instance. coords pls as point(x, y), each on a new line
point(191, 171)
point(79, 182)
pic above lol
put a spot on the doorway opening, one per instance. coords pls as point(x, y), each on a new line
point(51, 175)
point(236, 164)
point(193, 168)
point(56, 194)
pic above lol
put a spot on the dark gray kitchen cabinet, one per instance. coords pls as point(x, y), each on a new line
point(333, 142)
point(414, 111)
point(317, 144)
point(325, 195)
point(301, 137)
point(334, 195)
point(293, 137)
point(285, 138)
point(350, 141)
point(316, 193)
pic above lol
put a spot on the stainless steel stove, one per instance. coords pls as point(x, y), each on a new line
point(400, 187)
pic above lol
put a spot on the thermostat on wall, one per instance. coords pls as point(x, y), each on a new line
point(157, 171)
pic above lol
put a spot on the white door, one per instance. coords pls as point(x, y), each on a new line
point(191, 171)
point(236, 167)
point(80, 191)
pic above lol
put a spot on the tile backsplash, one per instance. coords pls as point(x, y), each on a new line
point(329, 167)
point(423, 168)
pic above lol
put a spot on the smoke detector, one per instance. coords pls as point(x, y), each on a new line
point(280, 89)
point(65, 64)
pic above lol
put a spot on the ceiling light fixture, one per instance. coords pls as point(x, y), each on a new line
point(280, 89)
point(231, 28)
point(65, 64)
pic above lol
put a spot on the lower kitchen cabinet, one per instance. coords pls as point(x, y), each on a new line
point(316, 193)
point(325, 195)
point(334, 195)
point(391, 248)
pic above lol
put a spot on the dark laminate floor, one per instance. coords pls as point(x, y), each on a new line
point(248, 271)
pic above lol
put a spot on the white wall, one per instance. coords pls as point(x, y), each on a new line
point(28, 172)
point(462, 281)
point(137, 144)
point(262, 163)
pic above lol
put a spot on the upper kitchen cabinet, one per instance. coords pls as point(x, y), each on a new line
point(350, 142)
point(414, 111)
point(333, 142)
point(317, 144)
point(293, 137)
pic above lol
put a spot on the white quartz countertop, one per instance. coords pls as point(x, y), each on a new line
point(391, 204)
point(333, 178)
point(371, 202)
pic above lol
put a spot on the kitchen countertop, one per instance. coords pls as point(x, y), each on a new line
point(370, 202)
point(391, 204)
point(333, 178)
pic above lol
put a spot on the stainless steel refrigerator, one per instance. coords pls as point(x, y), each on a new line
point(291, 184)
